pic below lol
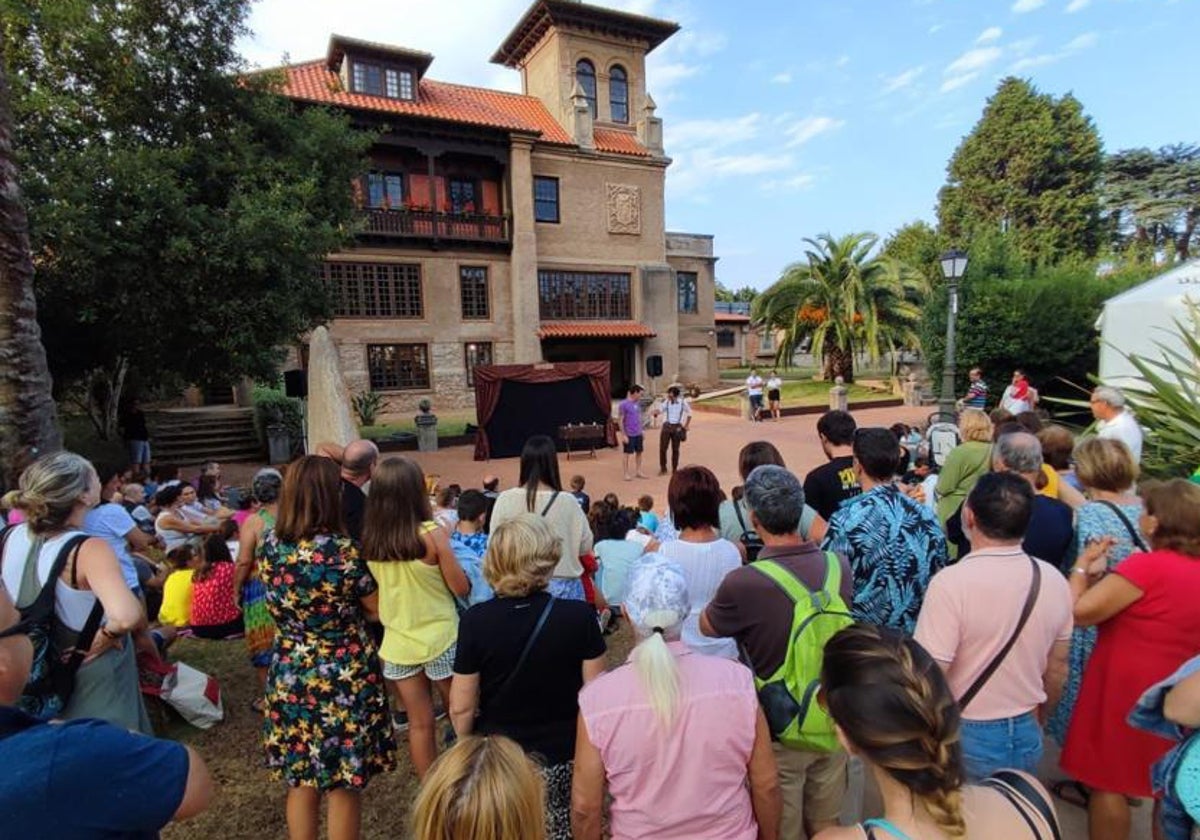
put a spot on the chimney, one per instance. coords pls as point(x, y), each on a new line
point(583, 119)
point(649, 128)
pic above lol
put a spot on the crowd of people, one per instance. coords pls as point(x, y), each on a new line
point(887, 619)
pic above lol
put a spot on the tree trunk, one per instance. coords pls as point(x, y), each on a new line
point(28, 416)
point(839, 362)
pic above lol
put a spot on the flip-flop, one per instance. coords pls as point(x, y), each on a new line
point(1072, 792)
point(258, 706)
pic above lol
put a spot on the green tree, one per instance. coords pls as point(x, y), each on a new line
point(844, 301)
point(1152, 200)
point(1030, 167)
point(918, 246)
point(179, 209)
point(746, 294)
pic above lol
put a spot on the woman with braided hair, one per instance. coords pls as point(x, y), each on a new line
point(893, 708)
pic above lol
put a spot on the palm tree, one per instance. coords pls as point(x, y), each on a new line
point(843, 301)
point(28, 418)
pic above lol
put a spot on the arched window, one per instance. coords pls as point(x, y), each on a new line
point(585, 73)
point(618, 94)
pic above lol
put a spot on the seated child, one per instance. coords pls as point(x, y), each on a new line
point(176, 609)
point(469, 542)
point(617, 553)
point(215, 614)
point(577, 484)
point(647, 519)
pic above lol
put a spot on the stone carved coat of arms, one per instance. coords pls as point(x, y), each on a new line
point(624, 208)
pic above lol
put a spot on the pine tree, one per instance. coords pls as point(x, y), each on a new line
point(1030, 168)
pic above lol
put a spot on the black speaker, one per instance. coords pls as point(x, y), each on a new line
point(295, 383)
point(654, 365)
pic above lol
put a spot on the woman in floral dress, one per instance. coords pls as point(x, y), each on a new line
point(327, 730)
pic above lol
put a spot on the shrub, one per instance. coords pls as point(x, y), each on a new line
point(367, 406)
point(273, 407)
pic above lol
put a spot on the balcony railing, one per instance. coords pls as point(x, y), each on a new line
point(431, 224)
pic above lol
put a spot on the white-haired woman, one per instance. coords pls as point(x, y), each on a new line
point(678, 735)
point(55, 493)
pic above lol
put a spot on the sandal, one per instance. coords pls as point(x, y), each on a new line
point(1072, 792)
point(258, 706)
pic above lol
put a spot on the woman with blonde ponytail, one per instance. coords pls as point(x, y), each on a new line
point(677, 734)
point(893, 708)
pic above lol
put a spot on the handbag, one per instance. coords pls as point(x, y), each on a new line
point(681, 434)
point(1133, 532)
point(1026, 611)
point(195, 695)
point(750, 539)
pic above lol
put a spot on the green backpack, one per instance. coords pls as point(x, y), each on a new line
point(788, 698)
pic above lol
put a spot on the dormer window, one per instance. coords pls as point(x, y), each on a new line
point(585, 74)
point(380, 80)
point(618, 94)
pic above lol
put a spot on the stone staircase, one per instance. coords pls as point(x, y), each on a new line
point(186, 436)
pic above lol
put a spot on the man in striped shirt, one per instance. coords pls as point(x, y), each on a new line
point(977, 392)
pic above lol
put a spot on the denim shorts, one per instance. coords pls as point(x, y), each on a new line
point(1007, 744)
point(139, 451)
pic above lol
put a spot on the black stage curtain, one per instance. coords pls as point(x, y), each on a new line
point(538, 408)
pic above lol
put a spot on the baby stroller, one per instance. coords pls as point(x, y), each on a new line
point(941, 435)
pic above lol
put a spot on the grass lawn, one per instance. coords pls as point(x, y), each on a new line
point(449, 423)
point(249, 803)
point(808, 393)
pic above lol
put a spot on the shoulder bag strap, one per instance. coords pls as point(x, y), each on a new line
point(1133, 532)
point(550, 503)
point(784, 579)
point(1030, 600)
point(1016, 790)
point(738, 513)
point(533, 637)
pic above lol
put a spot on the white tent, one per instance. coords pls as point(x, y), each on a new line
point(1140, 320)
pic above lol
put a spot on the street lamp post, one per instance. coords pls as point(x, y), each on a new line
point(954, 266)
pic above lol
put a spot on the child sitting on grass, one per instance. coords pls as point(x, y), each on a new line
point(469, 542)
point(647, 520)
point(176, 609)
point(215, 614)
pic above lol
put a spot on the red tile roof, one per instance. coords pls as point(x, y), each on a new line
point(313, 81)
point(595, 329)
point(731, 318)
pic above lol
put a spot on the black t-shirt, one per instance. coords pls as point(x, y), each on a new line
point(1049, 537)
point(354, 506)
point(540, 708)
point(826, 487)
point(133, 423)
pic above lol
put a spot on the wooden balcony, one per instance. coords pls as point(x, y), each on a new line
point(433, 226)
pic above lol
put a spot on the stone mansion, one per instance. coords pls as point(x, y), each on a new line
point(510, 228)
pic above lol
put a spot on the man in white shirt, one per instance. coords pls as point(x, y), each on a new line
point(1114, 420)
point(677, 416)
point(754, 390)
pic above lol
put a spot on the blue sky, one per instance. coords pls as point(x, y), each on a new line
point(790, 119)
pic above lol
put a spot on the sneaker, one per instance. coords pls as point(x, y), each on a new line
point(400, 721)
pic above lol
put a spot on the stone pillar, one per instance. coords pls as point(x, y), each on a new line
point(527, 349)
point(650, 128)
point(839, 396)
point(658, 301)
point(582, 119)
point(427, 436)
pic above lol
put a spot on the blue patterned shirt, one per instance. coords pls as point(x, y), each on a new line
point(894, 546)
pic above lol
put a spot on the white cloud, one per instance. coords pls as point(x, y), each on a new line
point(992, 33)
point(842, 61)
point(806, 128)
point(1022, 6)
point(1077, 44)
point(781, 79)
point(1077, 6)
point(955, 82)
point(714, 133)
point(891, 84)
point(973, 61)
point(795, 183)
point(936, 28)
point(754, 163)
point(693, 42)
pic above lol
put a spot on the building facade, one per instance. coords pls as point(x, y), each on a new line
point(513, 228)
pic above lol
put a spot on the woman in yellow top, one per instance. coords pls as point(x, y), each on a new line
point(410, 557)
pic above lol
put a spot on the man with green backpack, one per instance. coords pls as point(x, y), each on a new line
point(782, 609)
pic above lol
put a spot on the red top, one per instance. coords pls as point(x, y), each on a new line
point(1144, 643)
point(212, 598)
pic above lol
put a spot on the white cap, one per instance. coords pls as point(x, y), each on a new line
point(658, 595)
